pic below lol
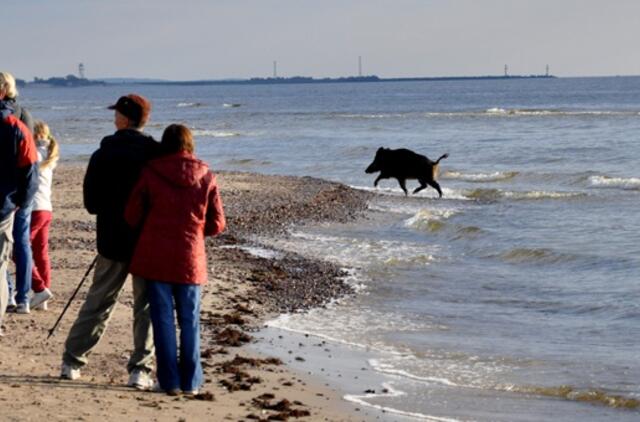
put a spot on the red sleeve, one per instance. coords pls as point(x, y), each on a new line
point(27, 151)
point(215, 222)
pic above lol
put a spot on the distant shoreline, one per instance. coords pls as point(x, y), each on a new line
point(73, 82)
point(350, 79)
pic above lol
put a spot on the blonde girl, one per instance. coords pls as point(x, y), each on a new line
point(41, 216)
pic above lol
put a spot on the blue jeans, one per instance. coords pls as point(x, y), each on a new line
point(183, 372)
point(22, 253)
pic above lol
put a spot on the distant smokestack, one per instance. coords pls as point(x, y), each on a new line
point(275, 69)
point(359, 65)
point(506, 71)
point(81, 71)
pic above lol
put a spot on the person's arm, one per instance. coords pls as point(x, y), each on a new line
point(137, 205)
point(92, 187)
point(27, 166)
point(215, 222)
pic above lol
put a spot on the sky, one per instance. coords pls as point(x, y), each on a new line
point(220, 39)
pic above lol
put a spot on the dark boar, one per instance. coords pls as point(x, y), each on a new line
point(405, 164)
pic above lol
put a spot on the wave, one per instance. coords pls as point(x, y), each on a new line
point(247, 162)
point(496, 176)
point(428, 193)
point(480, 194)
point(598, 397)
point(353, 329)
point(506, 112)
point(386, 368)
point(354, 252)
point(497, 111)
point(372, 115)
point(467, 232)
point(534, 255)
point(496, 194)
point(214, 133)
point(256, 251)
point(629, 183)
point(390, 392)
point(189, 105)
point(591, 396)
point(423, 259)
point(430, 220)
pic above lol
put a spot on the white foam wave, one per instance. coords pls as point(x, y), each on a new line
point(214, 133)
point(372, 116)
point(430, 219)
point(389, 204)
point(188, 104)
point(283, 323)
point(447, 193)
point(342, 323)
point(615, 182)
point(394, 207)
point(542, 195)
point(256, 251)
point(354, 252)
point(495, 194)
point(391, 392)
point(515, 112)
point(495, 176)
point(498, 111)
point(385, 368)
point(354, 279)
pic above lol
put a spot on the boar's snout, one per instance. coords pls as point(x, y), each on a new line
point(377, 161)
point(372, 168)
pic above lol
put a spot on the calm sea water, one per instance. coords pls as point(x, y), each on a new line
point(514, 297)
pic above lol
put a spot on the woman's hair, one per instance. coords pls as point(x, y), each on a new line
point(8, 82)
point(41, 132)
point(177, 138)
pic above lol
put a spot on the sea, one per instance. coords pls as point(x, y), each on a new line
point(514, 297)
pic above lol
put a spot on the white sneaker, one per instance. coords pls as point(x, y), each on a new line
point(11, 306)
point(42, 307)
point(140, 380)
point(40, 297)
point(68, 372)
point(22, 308)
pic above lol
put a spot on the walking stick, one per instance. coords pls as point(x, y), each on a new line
point(53, 329)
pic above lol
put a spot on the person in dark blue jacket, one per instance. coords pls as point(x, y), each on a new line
point(18, 182)
point(22, 218)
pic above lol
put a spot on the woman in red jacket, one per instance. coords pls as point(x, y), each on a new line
point(175, 204)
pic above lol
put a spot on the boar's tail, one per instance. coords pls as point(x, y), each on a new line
point(436, 167)
point(442, 157)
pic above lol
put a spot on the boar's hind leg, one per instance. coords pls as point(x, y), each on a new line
point(423, 184)
point(436, 186)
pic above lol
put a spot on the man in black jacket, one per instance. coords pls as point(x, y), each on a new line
point(112, 172)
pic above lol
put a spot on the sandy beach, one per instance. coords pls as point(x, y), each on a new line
point(243, 291)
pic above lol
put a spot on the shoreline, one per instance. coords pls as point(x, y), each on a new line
point(244, 291)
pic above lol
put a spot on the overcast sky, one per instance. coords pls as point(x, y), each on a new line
point(215, 39)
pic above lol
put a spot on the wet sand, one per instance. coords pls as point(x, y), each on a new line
point(243, 291)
